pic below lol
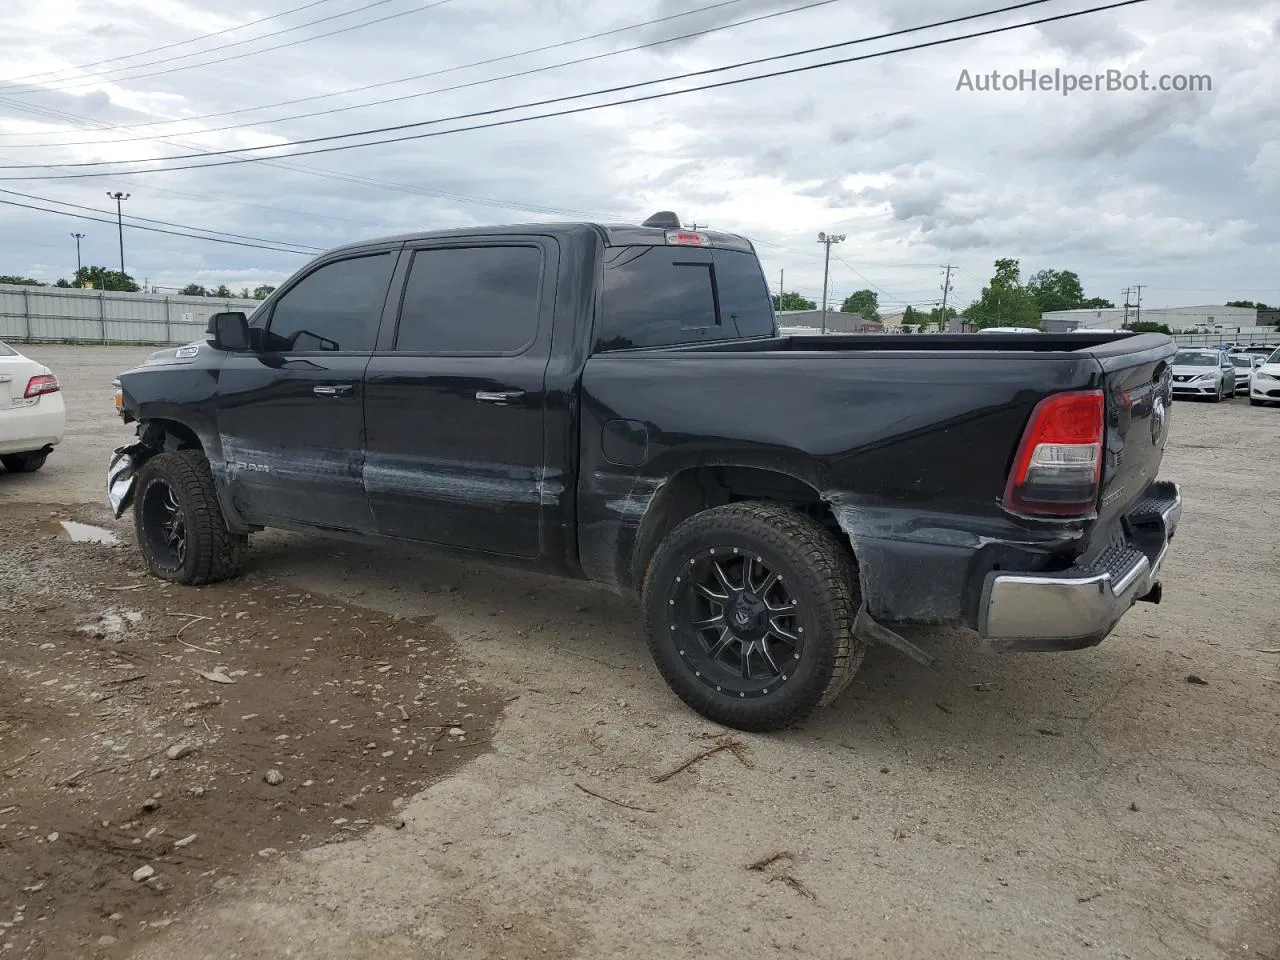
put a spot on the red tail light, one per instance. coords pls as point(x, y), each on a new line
point(1059, 461)
point(44, 383)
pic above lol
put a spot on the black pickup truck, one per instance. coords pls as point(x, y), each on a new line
point(615, 403)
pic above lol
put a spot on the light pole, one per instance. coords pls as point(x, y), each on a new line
point(79, 237)
point(119, 197)
point(827, 240)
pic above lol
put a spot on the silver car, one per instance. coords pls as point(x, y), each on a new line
point(1245, 364)
point(1204, 372)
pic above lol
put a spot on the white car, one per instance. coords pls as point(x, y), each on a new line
point(1264, 387)
point(32, 414)
point(1204, 372)
point(1245, 364)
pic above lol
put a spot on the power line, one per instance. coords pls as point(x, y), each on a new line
point(93, 81)
point(164, 223)
point(460, 86)
point(420, 76)
point(167, 46)
point(173, 233)
point(323, 173)
point(584, 109)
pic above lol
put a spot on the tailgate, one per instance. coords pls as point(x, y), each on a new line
point(1138, 385)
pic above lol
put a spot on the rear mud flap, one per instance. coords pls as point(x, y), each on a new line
point(869, 631)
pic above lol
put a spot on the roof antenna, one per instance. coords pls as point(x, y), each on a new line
point(663, 218)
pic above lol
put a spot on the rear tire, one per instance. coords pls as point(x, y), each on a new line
point(24, 462)
point(180, 528)
point(780, 643)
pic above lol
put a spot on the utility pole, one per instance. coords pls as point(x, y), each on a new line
point(781, 288)
point(827, 240)
point(946, 289)
point(119, 197)
point(1126, 309)
point(1139, 319)
point(79, 237)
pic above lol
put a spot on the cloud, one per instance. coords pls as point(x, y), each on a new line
point(1265, 169)
point(1173, 192)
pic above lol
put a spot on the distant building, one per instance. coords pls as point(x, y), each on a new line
point(1269, 317)
point(837, 322)
point(1204, 319)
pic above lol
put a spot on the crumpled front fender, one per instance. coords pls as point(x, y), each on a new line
point(122, 473)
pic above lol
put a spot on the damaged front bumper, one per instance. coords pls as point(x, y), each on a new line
point(122, 473)
point(1078, 607)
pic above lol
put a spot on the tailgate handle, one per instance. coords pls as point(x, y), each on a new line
point(499, 397)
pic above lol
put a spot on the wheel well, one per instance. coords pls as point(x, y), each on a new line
point(169, 435)
point(697, 489)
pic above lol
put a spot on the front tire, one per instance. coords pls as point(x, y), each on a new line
point(24, 462)
point(750, 610)
point(180, 528)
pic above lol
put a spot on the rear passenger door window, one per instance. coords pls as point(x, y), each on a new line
point(334, 309)
point(471, 301)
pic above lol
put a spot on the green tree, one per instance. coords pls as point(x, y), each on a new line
point(1055, 289)
point(940, 317)
point(223, 292)
point(1062, 290)
point(100, 278)
point(20, 281)
point(1248, 304)
point(790, 300)
point(63, 282)
point(910, 315)
point(1005, 302)
point(193, 290)
point(1148, 326)
point(865, 303)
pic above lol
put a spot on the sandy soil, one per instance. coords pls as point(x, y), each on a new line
point(1092, 804)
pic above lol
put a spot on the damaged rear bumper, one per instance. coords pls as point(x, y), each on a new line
point(1078, 607)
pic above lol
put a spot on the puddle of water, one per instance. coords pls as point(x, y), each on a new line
point(80, 532)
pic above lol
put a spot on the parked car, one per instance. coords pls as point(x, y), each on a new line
point(32, 414)
point(1265, 385)
point(1245, 363)
point(1262, 350)
point(1204, 372)
point(614, 403)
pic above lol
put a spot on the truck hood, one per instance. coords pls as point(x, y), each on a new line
point(187, 353)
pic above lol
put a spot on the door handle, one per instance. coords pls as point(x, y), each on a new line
point(500, 397)
point(333, 390)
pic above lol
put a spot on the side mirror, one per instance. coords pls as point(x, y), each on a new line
point(229, 331)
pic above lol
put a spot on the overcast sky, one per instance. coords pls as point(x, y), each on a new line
point(1176, 191)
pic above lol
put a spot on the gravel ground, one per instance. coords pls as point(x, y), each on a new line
point(1090, 804)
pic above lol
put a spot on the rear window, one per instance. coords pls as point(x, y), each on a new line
point(6, 350)
point(1196, 358)
point(666, 296)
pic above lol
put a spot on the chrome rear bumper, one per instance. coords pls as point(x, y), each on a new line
point(1078, 607)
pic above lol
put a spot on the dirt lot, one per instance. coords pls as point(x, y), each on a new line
point(467, 758)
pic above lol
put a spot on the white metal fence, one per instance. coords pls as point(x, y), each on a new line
point(69, 315)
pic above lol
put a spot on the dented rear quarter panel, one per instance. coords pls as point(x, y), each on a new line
point(910, 448)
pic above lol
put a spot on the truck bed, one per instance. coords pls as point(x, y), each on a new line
point(1100, 343)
